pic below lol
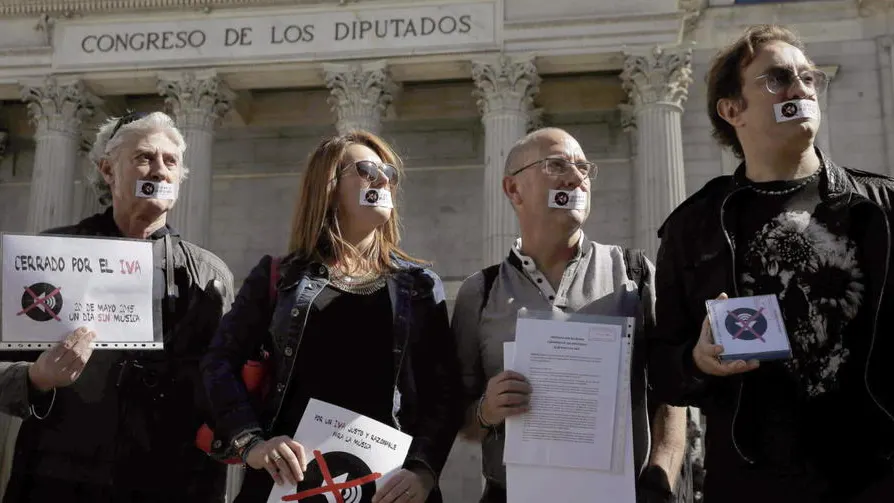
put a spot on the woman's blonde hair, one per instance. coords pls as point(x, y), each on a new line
point(315, 233)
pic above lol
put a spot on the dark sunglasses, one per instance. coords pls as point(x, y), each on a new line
point(127, 119)
point(370, 171)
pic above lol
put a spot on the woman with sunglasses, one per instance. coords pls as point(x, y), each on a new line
point(349, 311)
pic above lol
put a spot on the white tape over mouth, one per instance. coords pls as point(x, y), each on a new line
point(568, 199)
point(796, 109)
point(376, 197)
point(148, 189)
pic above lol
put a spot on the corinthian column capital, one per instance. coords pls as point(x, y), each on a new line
point(504, 84)
point(360, 94)
point(196, 99)
point(660, 76)
point(58, 105)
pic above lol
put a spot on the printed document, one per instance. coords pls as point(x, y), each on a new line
point(574, 369)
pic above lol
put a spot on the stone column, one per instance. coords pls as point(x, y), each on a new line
point(505, 90)
point(657, 84)
point(87, 202)
point(628, 125)
point(360, 94)
point(823, 136)
point(728, 161)
point(884, 45)
point(197, 101)
point(58, 108)
point(4, 137)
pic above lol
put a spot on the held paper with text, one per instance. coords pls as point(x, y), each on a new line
point(55, 284)
point(574, 370)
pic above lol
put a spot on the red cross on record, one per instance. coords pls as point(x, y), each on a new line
point(41, 302)
point(747, 325)
point(329, 486)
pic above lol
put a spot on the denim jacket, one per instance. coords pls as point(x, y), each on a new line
point(428, 386)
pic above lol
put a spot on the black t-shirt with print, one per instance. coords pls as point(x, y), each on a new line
point(788, 246)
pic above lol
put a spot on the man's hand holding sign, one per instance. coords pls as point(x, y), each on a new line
point(29, 389)
point(60, 366)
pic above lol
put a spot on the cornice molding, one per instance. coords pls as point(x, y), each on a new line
point(71, 8)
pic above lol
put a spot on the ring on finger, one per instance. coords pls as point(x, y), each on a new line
point(275, 456)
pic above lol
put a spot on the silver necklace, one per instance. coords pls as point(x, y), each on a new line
point(364, 284)
point(789, 190)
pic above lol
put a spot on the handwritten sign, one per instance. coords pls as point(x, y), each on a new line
point(53, 285)
point(285, 35)
point(349, 455)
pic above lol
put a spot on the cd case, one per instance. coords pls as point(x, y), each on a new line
point(749, 328)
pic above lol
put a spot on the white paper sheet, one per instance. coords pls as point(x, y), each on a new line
point(536, 484)
point(573, 369)
point(359, 454)
point(53, 285)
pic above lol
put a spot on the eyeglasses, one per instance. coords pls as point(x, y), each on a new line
point(779, 80)
point(370, 171)
point(127, 119)
point(557, 166)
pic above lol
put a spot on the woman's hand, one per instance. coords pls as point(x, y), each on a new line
point(282, 457)
point(406, 486)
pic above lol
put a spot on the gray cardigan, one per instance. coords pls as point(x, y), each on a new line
point(595, 282)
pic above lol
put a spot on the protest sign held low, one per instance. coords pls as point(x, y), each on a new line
point(55, 284)
point(349, 455)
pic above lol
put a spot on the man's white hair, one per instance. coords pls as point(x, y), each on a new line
point(107, 147)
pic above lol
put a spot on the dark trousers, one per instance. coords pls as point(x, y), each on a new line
point(29, 489)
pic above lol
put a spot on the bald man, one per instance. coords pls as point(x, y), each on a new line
point(553, 266)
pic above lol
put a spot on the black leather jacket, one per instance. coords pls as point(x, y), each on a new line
point(696, 262)
point(428, 385)
point(129, 421)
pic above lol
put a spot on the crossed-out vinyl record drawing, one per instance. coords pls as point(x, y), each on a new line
point(41, 302)
point(746, 324)
point(336, 477)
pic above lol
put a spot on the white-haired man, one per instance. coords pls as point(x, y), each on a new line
point(125, 430)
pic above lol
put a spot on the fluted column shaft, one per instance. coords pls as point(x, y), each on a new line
point(58, 109)
point(885, 47)
point(661, 179)
point(86, 202)
point(728, 161)
point(824, 136)
point(360, 95)
point(197, 100)
point(500, 224)
point(657, 83)
point(505, 92)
